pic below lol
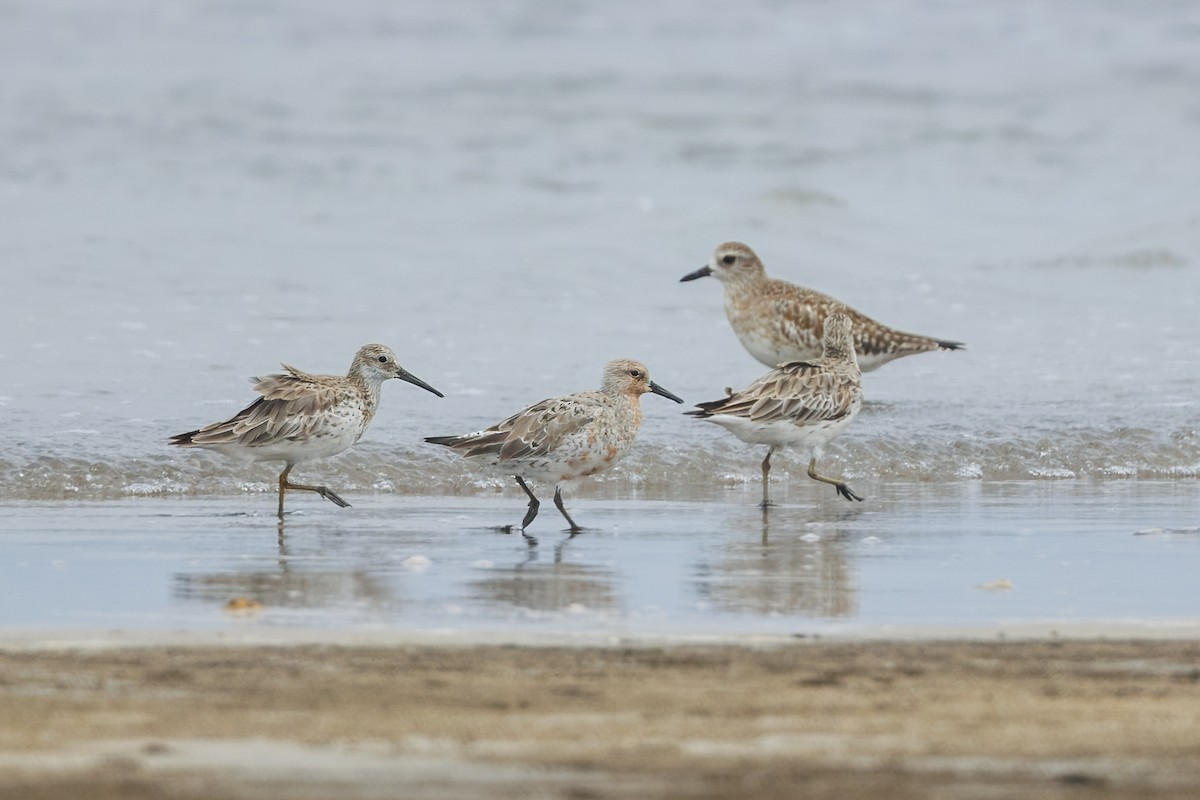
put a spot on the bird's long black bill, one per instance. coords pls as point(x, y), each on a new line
point(654, 387)
point(703, 272)
point(405, 375)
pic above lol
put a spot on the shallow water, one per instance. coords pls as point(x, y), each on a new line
point(507, 194)
point(976, 555)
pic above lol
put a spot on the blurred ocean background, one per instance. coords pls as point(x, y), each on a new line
point(508, 192)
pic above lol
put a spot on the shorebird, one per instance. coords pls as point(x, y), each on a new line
point(800, 404)
point(301, 417)
point(563, 438)
point(778, 322)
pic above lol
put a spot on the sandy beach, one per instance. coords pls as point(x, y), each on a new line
point(1037, 718)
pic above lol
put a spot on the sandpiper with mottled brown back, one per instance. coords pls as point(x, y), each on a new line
point(778, 322)
point(566, 437)
point(301, 417)
point(800, 404)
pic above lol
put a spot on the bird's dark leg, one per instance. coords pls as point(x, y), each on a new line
point(766, 478)
point(283, 488)
point(841, 486)
point(531, 512)
point(559, 503)
point(324, 491)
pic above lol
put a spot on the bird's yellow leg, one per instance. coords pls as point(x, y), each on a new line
point(836, 483)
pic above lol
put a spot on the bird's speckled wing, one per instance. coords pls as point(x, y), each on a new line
point(533, 432)
point(291, 408)
point(797, 313)
point(800, 392)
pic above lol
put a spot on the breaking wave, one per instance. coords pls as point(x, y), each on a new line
point(654, 469)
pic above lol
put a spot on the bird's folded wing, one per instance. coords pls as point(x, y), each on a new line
point(796, 320)
point(292, 406)
point(799, 392)
point(532, 432)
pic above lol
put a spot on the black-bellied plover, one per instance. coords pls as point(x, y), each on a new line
point(778, 322)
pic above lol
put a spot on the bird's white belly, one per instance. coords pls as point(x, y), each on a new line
point(768, 346)
point(329, 441)
point(873, 362)
point(782, 433)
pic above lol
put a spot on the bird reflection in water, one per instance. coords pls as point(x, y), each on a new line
point(556, 586)
point(784, 565)
point(286, 587)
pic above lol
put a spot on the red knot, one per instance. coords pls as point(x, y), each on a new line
point(564, 438)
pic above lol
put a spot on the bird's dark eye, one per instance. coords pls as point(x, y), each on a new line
point(728, 259)
point(636, 373)
point(383, 359)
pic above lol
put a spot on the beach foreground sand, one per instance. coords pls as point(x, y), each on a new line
point(1035, 719)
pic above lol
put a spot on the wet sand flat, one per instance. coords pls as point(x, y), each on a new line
point(1035, 719)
